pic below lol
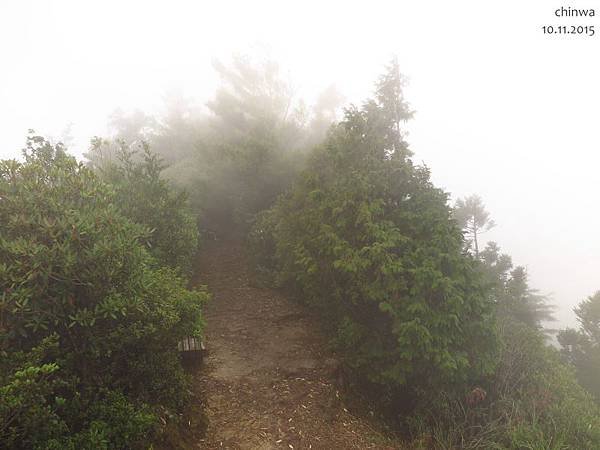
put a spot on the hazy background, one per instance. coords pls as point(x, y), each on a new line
point(502, 110)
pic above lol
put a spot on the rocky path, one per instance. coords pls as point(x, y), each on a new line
point(269, 379)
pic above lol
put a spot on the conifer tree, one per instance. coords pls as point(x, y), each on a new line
point(366, 238)
point(472, 217)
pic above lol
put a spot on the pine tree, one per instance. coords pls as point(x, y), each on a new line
point(472, 217)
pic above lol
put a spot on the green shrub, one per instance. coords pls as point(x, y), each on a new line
point(581, 347)
point(40, 409)
point(27, 417)
point(533, 401)
point(143, 196)
point(74, 269)
point(368, 240)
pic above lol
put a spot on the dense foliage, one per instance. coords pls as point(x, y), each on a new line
point(367, 239)
point(532, 401)
point(451, 336)
point(143, 196)
point(581, 347)
point(89, 320)
point(94, 261)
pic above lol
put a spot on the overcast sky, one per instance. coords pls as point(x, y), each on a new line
point(502, 109)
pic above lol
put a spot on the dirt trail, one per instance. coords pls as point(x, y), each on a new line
point(268, 380)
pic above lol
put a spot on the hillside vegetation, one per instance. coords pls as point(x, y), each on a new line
point(451, 345)
point(90, 312)
point(439, 336)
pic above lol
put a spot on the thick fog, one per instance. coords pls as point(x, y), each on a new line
point(502, 110)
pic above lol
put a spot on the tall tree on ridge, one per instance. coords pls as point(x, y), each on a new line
point(472, 217)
